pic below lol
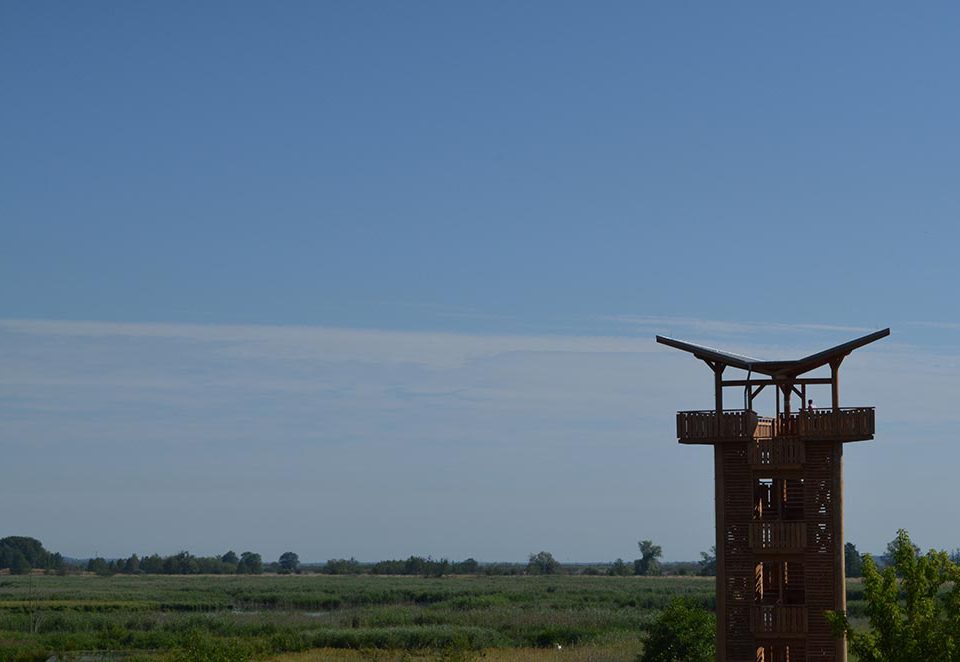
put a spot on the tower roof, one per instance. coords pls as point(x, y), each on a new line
point(791, 368)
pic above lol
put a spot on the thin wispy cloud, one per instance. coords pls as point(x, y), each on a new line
point(339, 344)
point(557, 429)
point(722, 327)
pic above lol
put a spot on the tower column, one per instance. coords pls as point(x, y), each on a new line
point(840, 591)
point(721, 598)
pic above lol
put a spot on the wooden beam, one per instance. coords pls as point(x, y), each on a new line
point(718, 391)
point(835, 383)
point(787, 390)
point(768, 382)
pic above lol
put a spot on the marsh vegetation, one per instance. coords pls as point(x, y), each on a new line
point(237, 617)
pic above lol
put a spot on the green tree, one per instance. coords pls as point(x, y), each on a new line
point(230, 557)
point(917, 618)
point(250, 564)
point(683, 632)
point(349, 566)
point(852, 561)
point(415, 565)
point(19, 565)
point(649, 561)
point(619, 569)
point(181, 563)
point(289, 562)
point(152, 564)
point(32, 552)
point(132, 564)
point(468, 566)
point(99, 566)
point(708, 563)
point(543, 563)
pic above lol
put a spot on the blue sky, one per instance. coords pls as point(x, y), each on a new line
point(377, 279)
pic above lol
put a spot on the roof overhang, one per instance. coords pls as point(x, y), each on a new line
point(779, 369)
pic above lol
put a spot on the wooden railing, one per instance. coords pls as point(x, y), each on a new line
point(778, 620)
point(776, 453)
point(845, 424)
point(701, 426)
point(778, 536)
point(850, 422)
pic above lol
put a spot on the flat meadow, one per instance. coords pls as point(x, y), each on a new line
point(315, 616)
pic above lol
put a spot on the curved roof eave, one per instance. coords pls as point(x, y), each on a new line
point(774, 368)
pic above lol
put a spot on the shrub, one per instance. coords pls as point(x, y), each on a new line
point(683, 632)
point(913, 618)
point(543, 563)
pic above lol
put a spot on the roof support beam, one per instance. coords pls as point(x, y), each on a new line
point(835, 382)
point(718, 395)
point(766, 382)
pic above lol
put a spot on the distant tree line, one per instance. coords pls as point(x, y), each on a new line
point(414, 565)
point(185, 563)
point(181, 563)
point(21, 555)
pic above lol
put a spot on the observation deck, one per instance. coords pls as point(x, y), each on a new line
point(841, 424)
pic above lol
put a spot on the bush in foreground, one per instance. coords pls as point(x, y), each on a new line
point(913, 607)
point(683, 632)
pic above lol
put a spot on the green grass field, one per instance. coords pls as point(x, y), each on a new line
point(301, 617)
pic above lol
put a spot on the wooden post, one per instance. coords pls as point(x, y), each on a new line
point(721, 579)
point(721, 597)
point(839, 551)
point(835, 383)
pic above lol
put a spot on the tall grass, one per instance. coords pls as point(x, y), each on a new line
point(251, 617)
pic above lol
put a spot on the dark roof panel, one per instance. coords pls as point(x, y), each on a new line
point(701, 352)
point(774, 368)
point(823, 358)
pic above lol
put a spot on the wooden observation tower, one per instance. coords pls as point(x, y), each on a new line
point(779, 504)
